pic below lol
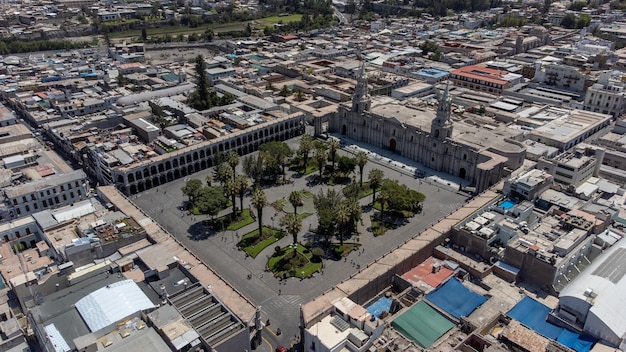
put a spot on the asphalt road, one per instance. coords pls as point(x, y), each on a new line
point(280, 299)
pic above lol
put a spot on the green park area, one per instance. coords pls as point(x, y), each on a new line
point(253, 243)
point(301, 262)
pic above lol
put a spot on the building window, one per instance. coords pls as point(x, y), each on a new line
point(45, 204)
point(464, 156)
point(64, 197)
point(71, 194)
point(35, 206)
point(27, 207)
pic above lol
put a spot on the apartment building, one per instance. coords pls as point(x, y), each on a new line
point(484, 79)
point(46, 193)
point(570, 169)
point(607, 96)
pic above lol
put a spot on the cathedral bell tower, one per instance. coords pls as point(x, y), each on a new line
point(441, 127)
point(360, 99)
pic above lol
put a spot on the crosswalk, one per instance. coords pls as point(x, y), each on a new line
point(282, 308)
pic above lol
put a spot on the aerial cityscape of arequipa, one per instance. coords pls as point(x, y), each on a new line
point(313, 176)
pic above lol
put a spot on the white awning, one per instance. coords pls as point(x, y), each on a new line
point(112, 303)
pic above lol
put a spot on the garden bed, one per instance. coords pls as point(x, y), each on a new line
point(289, 263)
point(253, 244)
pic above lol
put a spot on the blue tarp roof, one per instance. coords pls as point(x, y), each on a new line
point(534, 314)
point(455, 299)
point(580, 343)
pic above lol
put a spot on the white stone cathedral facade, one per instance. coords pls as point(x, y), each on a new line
point(480, 163)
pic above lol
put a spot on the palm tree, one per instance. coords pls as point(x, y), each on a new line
point(333, 146)
point(231, 190)
point(208, 179)
point(241, 184)
point(343, 219)
point(259, 201)
point(383, 198)
point(355, 211)
point(361, 160)
point(375, 177)
point(293, 225)
point(232, 159)
point(295, 198)
point(299, 95)
point(283, 160)
point(223, 173)
point(306, 144)
point(320, 158)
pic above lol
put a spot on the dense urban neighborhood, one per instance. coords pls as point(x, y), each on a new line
point(313, 176)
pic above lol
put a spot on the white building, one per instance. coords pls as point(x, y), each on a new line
point(594, 301)
point(552, 72)
point(570, 169)
point(607, 96)
point(46, 193)
point(350, 329)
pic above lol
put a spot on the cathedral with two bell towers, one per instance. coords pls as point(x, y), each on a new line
point(479, 156)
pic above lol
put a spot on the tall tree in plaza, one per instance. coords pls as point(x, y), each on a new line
point(223, 173)
point(232, 159)
point(259, 201)
point(241, 183)
point(320, 159)
point(191, 188)
point(208, 179)
point(361, 160)
point(375, 177)
point(253, 167)
point(306, 145)
point(383, 198)
point(292, 224)
point(326, 205)
point(276, 153)
point(295, 198)
point(210, 200)
point(333, 146)
point(354, 211)
point(342, 216)
point(230, 189)
point(346, 165)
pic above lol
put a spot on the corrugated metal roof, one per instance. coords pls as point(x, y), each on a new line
point(112, 303)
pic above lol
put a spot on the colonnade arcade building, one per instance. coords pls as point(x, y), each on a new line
point(473, 148)
point(145, 174)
